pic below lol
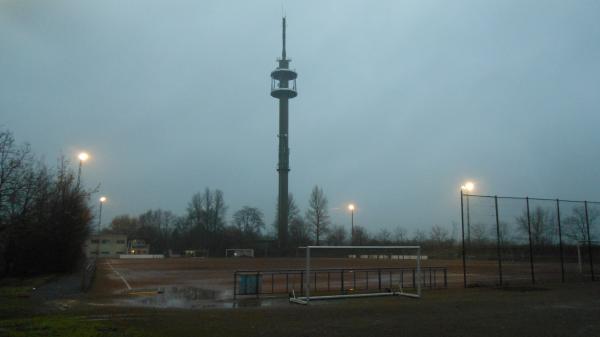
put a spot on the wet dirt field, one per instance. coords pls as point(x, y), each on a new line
point(193, 283)
point(201, 282)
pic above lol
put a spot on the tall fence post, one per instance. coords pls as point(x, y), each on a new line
point(498, 241)
point(258, 284)
point(530, 242)
point(445, 278)
point(462, 222)
point(560, 243)
point(589, 238)
point(234, 285)
point(307, 282)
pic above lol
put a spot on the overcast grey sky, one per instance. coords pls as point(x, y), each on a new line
point(399, 101)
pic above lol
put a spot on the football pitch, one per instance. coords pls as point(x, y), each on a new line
point(193, 297)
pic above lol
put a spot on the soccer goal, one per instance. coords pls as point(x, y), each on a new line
point(589, 244)
point(409, 254)
point(237, 252)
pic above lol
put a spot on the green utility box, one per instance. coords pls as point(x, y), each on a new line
point(249, 284)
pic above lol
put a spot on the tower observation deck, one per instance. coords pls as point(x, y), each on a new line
point(283, 87)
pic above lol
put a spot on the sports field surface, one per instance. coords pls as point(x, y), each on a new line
point(193, 297)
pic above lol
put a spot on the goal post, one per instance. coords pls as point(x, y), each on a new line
point(239, 252)
point(588, 244)
point(307, 278)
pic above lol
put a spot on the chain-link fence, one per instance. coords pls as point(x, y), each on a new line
point(515, 240)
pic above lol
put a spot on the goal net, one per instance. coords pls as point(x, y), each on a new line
point(237, 252)
point(373, 271)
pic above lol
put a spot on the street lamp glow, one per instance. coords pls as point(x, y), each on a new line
point(351, 207)
point(468, 186)
point(83, 156)
point(102, 199)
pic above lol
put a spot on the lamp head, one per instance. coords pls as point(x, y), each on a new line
point(83, 156)
point(468, 186)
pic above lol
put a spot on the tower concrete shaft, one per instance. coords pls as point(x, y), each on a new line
point(283, 87)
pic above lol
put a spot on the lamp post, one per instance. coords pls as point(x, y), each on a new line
point(468, 187)
point(351, 209)
point(102, 201)
point(83, 156)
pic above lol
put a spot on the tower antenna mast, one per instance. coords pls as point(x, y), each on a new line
point(283, 88)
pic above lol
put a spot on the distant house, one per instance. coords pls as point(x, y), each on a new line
point(105, 245)
point(138, 247)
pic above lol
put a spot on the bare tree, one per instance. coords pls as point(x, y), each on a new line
point(439, 235)
point(576, 225)
point(419, 236)
point(384, 237)
point(217, 214)
point(206, 213)
point(336, 236)
point(249, 220)
point(542, 224)
point(299, 232)
point(196, 212)
point(400, 234)
point(124, 224)
point(479, 234)
point(15, 169)
point(155, 227)
point(317, 215)
point(361, 236)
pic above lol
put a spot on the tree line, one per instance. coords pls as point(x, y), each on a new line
point(44, 213)
point(204, 226)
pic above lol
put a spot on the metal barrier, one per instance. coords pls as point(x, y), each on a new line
point(335, 280)
point(87, 274)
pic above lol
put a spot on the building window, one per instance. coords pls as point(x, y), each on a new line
point(105, 241)
point(121, 241)
point(105, 253)
point(95, 241)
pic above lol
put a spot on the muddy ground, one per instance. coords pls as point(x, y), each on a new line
point(196, 301)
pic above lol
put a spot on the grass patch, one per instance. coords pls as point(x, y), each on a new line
point(63, 325)
point(22, 287)
point(15, 294)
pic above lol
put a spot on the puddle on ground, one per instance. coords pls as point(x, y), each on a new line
point(191, 298)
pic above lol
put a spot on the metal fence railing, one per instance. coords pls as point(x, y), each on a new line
point(335, 280)
point(516, 240)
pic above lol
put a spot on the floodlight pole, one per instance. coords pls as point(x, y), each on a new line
point(307, 276)
point(560, 242)
point(462, 221)
point(498, 242)
point(352, 223)
point(419, 272)
point(100, 217)
point(468, 221)
point(587, 222)
point(79, 173)
point(530, 242)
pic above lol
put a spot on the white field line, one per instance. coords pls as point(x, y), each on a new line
point(119, 275)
